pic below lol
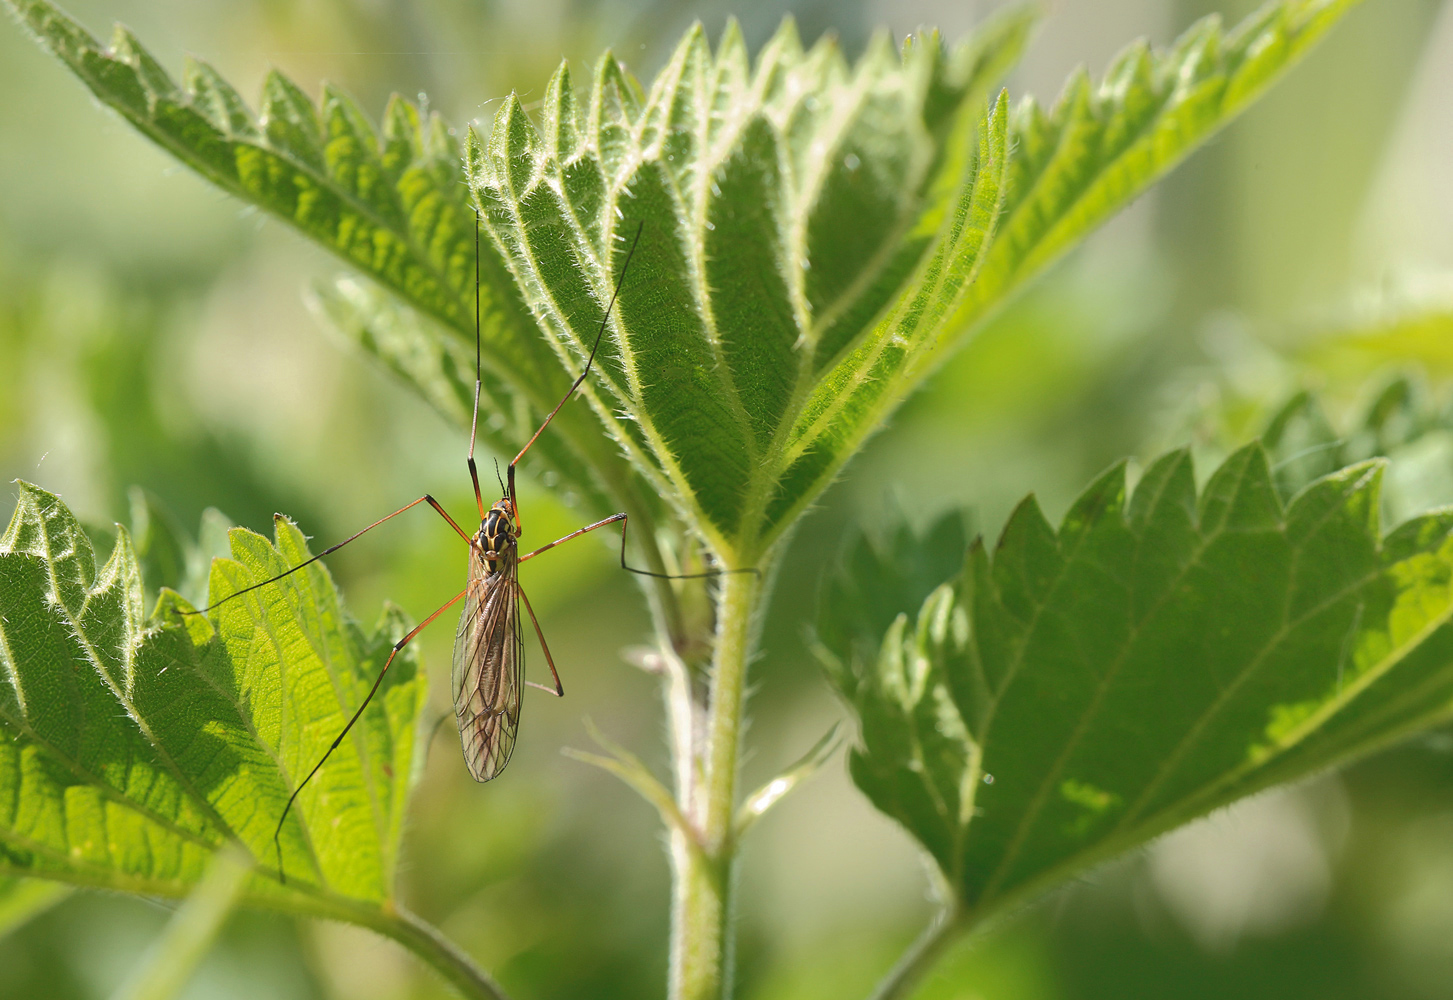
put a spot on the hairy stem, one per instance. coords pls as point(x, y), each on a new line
point(724, 723)
point(947, 928)
point(701, 925)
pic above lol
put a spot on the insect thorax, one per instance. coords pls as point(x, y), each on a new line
point(496, 538)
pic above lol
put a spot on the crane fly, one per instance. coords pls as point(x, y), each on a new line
point(489, 648)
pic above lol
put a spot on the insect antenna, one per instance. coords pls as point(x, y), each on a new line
point(622, 517)
point(589, 361)
point(474, 420)
point(426, 498)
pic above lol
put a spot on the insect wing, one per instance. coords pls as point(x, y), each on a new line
point(489, 657)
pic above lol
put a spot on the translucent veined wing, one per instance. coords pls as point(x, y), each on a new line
point(489, 660)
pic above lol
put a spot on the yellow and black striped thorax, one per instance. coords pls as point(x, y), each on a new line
point(496, 538)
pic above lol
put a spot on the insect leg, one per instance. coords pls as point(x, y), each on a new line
point(334, 548)
point(577, 533)
point(624, 519)
point(558, 690)
point(277, 833)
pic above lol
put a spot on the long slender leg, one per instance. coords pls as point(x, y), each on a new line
point(276, 834)
point(559, 689)
point(334, 548)
point(577, 533)
point(624, 519)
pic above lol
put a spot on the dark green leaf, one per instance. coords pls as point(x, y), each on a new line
point(1158, 656)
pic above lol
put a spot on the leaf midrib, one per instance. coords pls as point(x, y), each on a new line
point(782, 450)
point(1186, 809)
point(1036, 802)
point(702, 181)
point(890, 397)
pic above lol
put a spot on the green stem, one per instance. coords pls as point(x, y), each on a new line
point(700, 923)
point(441, 954)
point(701, 926)
point(728, 702)
point(947, 928)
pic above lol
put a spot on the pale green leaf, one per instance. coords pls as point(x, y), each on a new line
point(814, 234)
point(1069, 170)
point(384, 204)
point(780, 205)
point(1100, 145)
point(132, 751)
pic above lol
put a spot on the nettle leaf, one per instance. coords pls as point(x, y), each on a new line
point(780, 207)
point(132, 751)
point(1160, 655)
point(814, 234)
point(386, 203)
point(1101, 145)
point(389, 202)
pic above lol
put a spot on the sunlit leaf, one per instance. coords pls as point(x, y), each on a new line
point(779, 205)
point(132, 751)
point(1162, 653)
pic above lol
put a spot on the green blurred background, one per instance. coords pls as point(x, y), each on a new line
point(154, 333)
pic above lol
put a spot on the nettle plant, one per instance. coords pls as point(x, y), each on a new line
point(816, 236)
